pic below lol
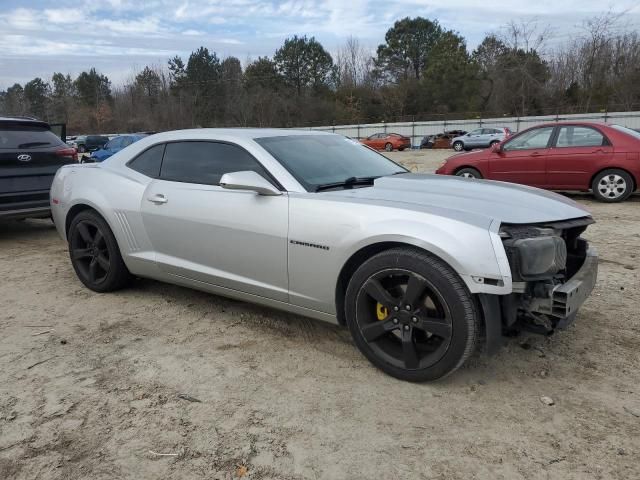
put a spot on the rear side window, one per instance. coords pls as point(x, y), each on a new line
point(205, 162)
point(148, 162)
point(17, 137)
point(574, 136)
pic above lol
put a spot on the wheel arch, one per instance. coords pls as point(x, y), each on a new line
point(633, 178)
point(457, 169)
point(360, 256)
point(74, 211)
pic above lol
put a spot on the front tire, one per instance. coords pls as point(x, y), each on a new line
point(612, 185)
point(458, 146)
point(95, 254)
point(411, 315)
point(468, 172)
point(388, 147)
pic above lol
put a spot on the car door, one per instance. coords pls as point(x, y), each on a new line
point(490, 135)
point(473, 138)
point(577, 153)
point(378, 141)
point(522, 159)
point(229, 238)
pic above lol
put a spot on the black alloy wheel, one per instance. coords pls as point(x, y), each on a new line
point(411, 315)
point(95, 255)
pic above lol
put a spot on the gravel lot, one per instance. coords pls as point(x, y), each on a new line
point(90, 383)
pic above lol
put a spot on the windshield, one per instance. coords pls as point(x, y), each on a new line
point(628, 131)
point(316, 160)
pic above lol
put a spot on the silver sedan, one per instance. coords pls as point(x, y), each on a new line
point(419, 267)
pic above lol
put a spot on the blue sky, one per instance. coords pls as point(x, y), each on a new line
point(120, 37)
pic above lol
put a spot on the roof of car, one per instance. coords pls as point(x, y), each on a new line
point(246, 133)
point(24, 121)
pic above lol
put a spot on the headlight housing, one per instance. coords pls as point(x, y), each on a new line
point(534, 252)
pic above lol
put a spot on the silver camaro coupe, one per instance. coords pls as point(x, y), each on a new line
point(421, 268)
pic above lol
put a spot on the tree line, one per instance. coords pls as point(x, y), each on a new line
point(422, 71)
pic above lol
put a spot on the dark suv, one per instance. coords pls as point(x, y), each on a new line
point(90, 143)
point(30, 155)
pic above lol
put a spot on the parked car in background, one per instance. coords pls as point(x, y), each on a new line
point(387, 141)
point(480, 138)
point(420, 268)
point(71, 140)
point(114, 146)
point(30, 155)
point(441, 140)
point(560, 156)
point(90, 143)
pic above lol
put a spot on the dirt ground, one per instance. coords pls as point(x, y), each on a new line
point(90, 384)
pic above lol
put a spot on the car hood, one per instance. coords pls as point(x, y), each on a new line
point(506, 202)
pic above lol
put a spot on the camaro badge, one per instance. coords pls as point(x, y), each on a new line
point(307, 244)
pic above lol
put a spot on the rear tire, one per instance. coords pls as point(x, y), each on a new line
point(612, 185)
point(458, 146)
point(493, 142)
point(430, 321)
point(81, 149)
point(95, 254)
point(468, 172)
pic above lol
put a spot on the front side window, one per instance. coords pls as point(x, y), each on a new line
point(477, 131)
point(316, 160)
point(532, 139)
point(205, 162)
point(575, 136)
point(148, 162)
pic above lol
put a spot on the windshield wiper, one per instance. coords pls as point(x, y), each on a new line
point(348, 183)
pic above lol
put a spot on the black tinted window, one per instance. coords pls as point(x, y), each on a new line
point(148, 162)
point(205, 162)
point(22, 137)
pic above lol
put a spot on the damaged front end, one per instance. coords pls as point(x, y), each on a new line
point(553, 272)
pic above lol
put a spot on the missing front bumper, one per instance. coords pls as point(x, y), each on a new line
point(564, 300)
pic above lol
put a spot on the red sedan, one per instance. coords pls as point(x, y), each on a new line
point(387, 141)
point(579, 156)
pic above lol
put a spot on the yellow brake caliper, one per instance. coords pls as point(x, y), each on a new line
point(381, 311)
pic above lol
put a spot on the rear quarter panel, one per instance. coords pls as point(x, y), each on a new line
point(114, 194)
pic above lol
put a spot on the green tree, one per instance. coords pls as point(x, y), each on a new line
point(14, 102)
point(408, 45)
point(303, 62)
point(93, 88)
point(149, 83)
point(263, 73)
point(176, 69)
point(450, 79)
point(62, 96)
point(36, 95)
point(202, 80)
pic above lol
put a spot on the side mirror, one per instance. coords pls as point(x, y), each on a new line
point(248, 180)
point(496, 148)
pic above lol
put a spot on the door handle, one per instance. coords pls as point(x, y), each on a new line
point(535, 154)
point(158, 199)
